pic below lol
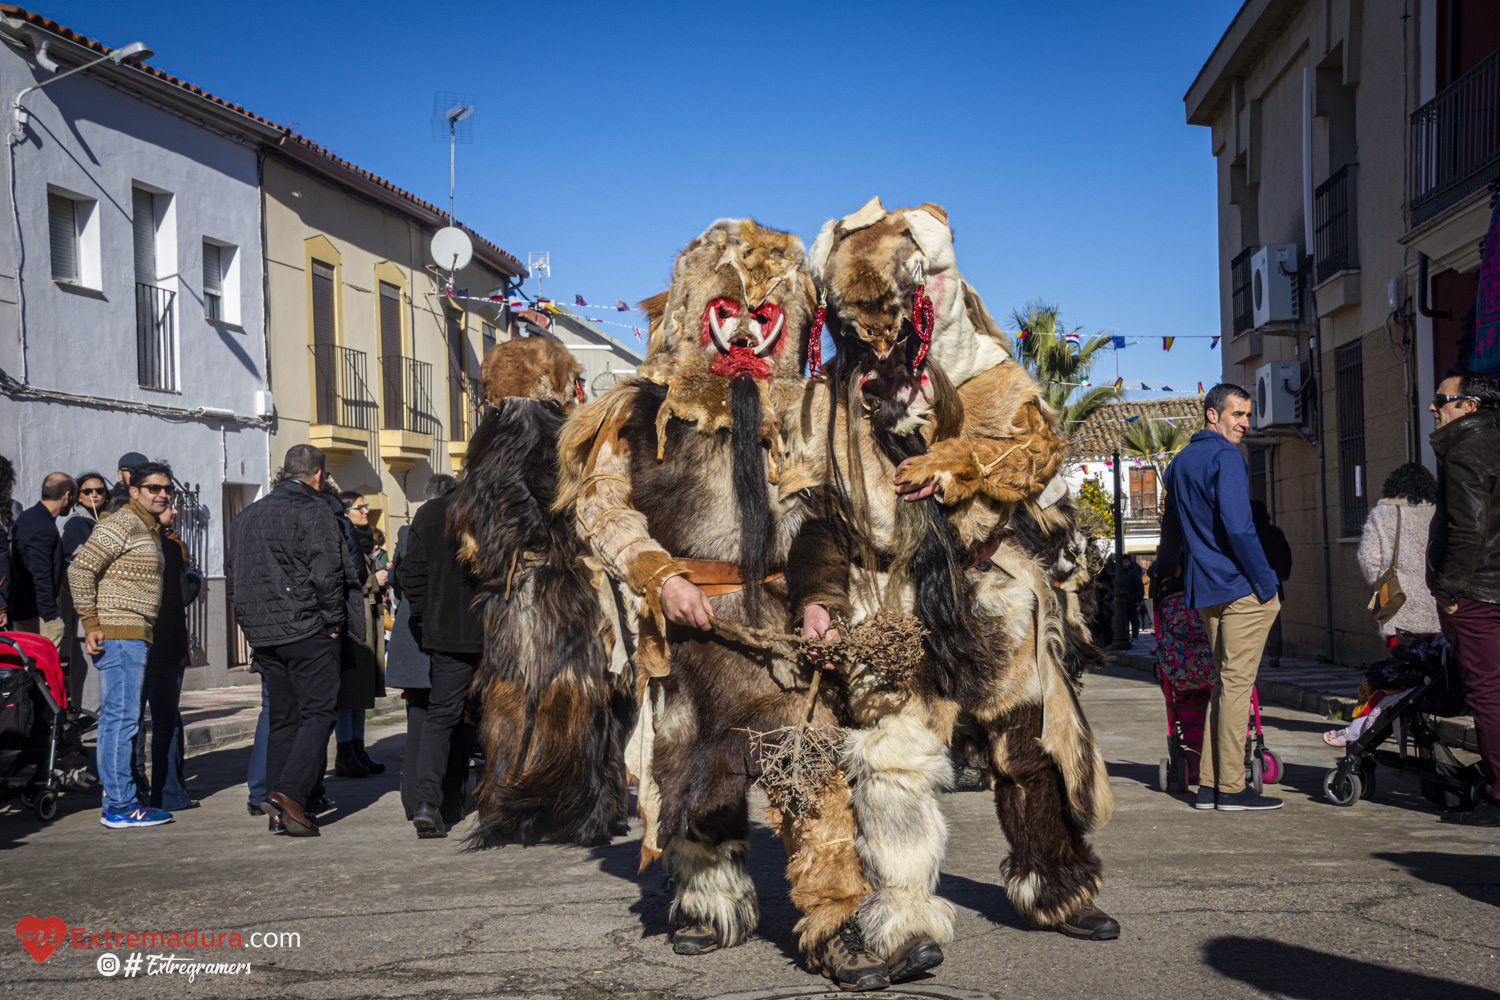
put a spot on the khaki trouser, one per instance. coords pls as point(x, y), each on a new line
point(52, 628)
point(1237, 632)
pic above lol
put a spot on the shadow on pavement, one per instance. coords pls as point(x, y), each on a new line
point(1134, 771)
point(1292, 971)
point(1476, 876)
point(987, 899)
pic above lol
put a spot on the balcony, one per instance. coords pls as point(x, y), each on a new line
point(408, 426)
point(1333, 224)
point(1455, 142)
point(344, 409)
point(465, 399)
point(155, 337)
point(1241, 305)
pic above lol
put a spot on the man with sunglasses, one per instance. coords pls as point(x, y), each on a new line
point(116, 581)
point(1463, 559)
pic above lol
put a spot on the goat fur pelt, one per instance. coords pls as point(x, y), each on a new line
point(551, 712)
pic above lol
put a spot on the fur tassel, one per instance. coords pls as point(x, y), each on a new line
point(714, 888)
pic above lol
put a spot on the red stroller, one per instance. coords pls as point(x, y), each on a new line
point(39, 735)
point(1184, 669)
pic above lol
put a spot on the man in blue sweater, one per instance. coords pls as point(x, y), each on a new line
point(1229, 583)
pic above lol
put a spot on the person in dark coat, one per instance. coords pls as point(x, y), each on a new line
point(165, 664)
point(441, 591)
point(406, 667)
point(360, 681)
point(287, 580)
point(119, 494)
point(37, 561)
point(1135, 594)
point(1279, 555)
point(7, 522)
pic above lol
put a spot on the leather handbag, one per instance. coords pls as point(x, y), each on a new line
point(1389, 597)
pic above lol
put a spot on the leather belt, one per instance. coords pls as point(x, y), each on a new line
point(983, 554)
point(716, 578)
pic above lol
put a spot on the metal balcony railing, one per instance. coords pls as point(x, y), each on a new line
point(464, 411)
point(1240, 303)
point(340, 388)
point(1333, 223)
point(406, 395)
point(1455, 141)
point(155, 337)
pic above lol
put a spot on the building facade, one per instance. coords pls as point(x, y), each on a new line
point(1364, 126)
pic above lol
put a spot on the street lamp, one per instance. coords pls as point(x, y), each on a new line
point(132, 53)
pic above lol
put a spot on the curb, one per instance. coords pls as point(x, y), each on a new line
point(218, 734)
point(1457, 733)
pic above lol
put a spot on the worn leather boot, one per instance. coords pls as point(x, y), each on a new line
point(347, 765)
point(849, 965)
point(371, 765)
point(1091, 924)
point(699, 939)
point(916, 955)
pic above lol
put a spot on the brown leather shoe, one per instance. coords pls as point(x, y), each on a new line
point(1091, 924)
point(276, 825)
point(297, 823)
point(699, 939)
point(916, 955)
point(849, 965)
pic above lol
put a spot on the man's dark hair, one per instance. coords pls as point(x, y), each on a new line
point(302, 460)
point(58, 485)
point(1411, 482)
point(1219, 395)
point(439, 485)
point(1476, 384)
point(347, 497)
point(140, 472)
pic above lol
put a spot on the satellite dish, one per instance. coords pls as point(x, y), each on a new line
point(452, 249)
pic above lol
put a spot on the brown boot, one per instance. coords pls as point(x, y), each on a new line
point(699, 939)
point(298, 824)
point(1091, 924)
point(915, 955)
point(849, 965)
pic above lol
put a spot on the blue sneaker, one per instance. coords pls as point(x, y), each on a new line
point(132, 816)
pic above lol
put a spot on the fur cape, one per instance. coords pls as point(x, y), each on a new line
point(553, 716)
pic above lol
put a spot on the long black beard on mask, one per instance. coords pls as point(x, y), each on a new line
point(750, 489)
point(944, 603)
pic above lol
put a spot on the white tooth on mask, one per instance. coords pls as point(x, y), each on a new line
point(713, 325)
point(766, 345)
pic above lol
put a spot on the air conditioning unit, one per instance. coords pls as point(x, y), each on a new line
point(1275, 291)
point(1275, 402)
point(264, 405)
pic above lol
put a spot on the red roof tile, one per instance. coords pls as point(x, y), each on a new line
point(46, 23)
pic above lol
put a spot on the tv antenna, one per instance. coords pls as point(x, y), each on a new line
point(452, 119)
point(539, 263)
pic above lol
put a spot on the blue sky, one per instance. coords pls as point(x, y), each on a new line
point(609, 134)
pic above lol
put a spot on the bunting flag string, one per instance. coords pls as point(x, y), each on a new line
point(540, 305)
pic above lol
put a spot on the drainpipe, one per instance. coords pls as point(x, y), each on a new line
point(1323, 476)
point(1422, 306)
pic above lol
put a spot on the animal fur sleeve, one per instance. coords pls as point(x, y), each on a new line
point(1010, 447)
point(817, 567)
point(595, 480)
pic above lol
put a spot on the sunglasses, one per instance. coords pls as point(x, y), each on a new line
point(94, 490)
point(155, 488)
point(1442, 399)
point(360, 506)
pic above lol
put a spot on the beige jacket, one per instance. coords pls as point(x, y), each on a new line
point(1377, 545)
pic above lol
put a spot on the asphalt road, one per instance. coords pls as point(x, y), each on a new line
point(1376, 901)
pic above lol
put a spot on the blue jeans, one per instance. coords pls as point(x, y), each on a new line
point(350, 725)
point(255, 777)
point(122, 675)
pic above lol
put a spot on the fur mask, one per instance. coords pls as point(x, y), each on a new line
point(740, 303)
point(870, 265)
point(532, 368)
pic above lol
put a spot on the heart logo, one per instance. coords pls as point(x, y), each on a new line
point(41, 937)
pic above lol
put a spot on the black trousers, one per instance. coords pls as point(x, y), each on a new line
point(451, 675)
point(455, 777)
point(302, 680)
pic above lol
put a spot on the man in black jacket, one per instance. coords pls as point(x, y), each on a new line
point(441, 593)
point(1463, 559)
point(38, 561)
point(286, 579)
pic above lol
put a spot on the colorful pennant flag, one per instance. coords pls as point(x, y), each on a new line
point(1200, 388)
point(1213, 343)
point(1131, 420)
point(637, 331)
point(1119, 342)
point(1119, 383)
point(1146, 388)
point(1166, 343)
point(1073, 339)
point(578, 300)
point(620, 306)
point(1167, 388)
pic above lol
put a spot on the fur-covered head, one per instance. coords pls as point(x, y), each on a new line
point(532, 368)
point(870, 265)
point(740, 303)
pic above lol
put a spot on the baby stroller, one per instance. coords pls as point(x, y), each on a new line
point(1403, 736)
point(1184, 669)
point(41, 739)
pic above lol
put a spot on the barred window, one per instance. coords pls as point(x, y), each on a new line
point(1350, 399)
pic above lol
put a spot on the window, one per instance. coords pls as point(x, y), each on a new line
point(143, 223)
point(489, 336)
point(1350, 389)
point(325, 342)
point(213, 281)
point(1144, 498)
point(458, 425)
point(392, 371)
point(155, 307)
point(1260, 468)
point(62, 221)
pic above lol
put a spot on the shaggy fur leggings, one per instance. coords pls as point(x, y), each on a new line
point(1051, 871)
point(714, 887)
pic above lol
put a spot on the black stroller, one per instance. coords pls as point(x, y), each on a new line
point(1404, 736)
point(42, 753)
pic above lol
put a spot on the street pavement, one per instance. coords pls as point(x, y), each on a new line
point(1375, 901)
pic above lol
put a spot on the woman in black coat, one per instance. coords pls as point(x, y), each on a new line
point(360, 679)
point(166, 662)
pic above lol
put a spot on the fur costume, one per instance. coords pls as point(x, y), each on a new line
point(675, 473)
point(553, 715)
point(934, 386)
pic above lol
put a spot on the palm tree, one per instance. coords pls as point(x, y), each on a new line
point(1156, 440)
point(1052, 361)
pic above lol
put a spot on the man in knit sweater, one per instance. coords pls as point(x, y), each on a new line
point(116, 582)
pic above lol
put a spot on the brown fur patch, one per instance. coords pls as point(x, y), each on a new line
point(532, 368)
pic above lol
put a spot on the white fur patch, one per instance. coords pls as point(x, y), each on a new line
point(714, 888)
point(869, 213)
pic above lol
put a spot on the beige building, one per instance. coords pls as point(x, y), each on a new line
point(1403, 144)
point(370, 361)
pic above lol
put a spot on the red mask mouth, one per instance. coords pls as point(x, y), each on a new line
point(740, 361)
point(726, 328)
